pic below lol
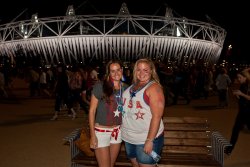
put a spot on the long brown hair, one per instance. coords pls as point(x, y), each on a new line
point(108, 86)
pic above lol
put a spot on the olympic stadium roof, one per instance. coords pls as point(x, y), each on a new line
point(77, 38)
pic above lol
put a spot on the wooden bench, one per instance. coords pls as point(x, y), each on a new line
point(189, 142)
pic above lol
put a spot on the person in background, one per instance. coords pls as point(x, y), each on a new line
point(2, 84)
point(142, 125)
point(180, 85)
point(61, 90)
point(75, 91)
point(105, 115)
point(223, 81)
point(92, 77)
point(86, 93)
point(50, 78)
point(33, 78)
point(43, 83)
point(243, 116)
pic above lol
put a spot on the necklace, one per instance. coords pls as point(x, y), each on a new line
point(133, 92)
point(118, 98)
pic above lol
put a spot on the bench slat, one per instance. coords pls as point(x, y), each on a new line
point(186, 149)
point(185, 120)
point(187, 142)
point(188, 160)
point(186, 127)
point(187, 134)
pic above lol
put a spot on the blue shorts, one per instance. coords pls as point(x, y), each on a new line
point(136, 151)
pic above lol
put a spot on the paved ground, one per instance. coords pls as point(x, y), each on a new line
point(30, 139)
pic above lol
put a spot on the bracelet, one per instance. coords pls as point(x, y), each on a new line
point(149, 140)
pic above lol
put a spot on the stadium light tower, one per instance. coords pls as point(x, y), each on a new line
point(34, 18)
point(70, 11)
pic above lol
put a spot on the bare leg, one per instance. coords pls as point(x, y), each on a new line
point(134, 162)
point(114, 151)
point(103, 156)
point(144, 165)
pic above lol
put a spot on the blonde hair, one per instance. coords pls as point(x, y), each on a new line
point(154, 75)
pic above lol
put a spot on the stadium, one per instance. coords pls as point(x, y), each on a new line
point(73, 38)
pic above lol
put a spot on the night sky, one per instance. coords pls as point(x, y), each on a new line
point(230, 16)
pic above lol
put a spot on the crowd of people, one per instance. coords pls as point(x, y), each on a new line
point(127, 104)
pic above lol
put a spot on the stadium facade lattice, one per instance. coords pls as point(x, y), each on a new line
point(76, 38)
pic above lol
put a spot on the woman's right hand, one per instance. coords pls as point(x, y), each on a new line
point(148, 147)
point(93, 142)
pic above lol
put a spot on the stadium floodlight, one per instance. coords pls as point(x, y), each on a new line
point(34, 18)
point(70, 11)
point(169, 13)
point(21, 27)
point(124, 10)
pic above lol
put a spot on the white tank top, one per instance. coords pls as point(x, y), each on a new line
point(136, 117)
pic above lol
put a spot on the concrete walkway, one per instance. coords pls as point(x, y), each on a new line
point(30, 139)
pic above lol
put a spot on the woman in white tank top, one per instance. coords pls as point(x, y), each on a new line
point(143, 104)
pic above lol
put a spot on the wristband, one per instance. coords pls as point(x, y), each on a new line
point(149, 140)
